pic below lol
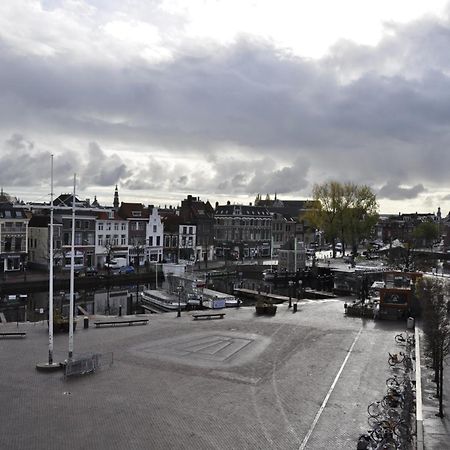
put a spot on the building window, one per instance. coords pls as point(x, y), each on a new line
point(123, 240)
point(18, 244)
point(123, 226)
point(116, 227)
point(150, 241)
point(100, 226)
point(190, 230)
point(158, 240)
point(184, 230)
point(100, 241)
point(154, 228)
point(108, 226)
point(66, 238)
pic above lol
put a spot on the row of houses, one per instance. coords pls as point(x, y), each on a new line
point(142, 234)
point(145, 234)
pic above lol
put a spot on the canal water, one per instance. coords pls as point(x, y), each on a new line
point(125, 299)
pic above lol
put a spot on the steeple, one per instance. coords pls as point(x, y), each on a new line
point(116, 199)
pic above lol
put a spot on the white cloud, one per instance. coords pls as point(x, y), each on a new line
point(173, 97)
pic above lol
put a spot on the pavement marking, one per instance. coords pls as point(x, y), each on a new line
point(325, 401)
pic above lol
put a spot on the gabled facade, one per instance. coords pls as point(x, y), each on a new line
point(171, 229)
point(13, 237)
point(137, 215)
point(187, 241)
point(201, 214)
point(111, 237)
point(155, 236)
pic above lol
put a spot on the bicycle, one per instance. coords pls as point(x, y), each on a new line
point(396, 358)
point(401, 339)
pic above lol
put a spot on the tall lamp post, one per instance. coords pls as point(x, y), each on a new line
point(291, 283)
point(179, 289)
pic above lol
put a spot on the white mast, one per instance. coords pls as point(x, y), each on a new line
point(72, 264)
point(295, 254)
point(50, 280)
point(50, 365)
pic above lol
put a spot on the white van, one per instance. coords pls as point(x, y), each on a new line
point(116, 263)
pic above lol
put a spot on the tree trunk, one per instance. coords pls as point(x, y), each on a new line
point(441, 379)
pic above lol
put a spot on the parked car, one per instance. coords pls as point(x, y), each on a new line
point(125, 270)
point(86, 272)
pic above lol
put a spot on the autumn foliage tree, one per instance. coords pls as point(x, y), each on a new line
point(344, 211)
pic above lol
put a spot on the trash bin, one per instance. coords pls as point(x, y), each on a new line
point(86, 322)
point(410, 323)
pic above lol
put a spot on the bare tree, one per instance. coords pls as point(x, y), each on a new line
point(433, 294)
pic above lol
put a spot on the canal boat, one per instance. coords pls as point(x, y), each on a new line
point(163, 300)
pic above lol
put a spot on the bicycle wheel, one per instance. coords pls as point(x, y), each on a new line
point(392, 383)
point(399, 339)
point(374, 409)
point(387, 443)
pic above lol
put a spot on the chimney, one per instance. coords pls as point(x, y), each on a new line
point(228, 203)
point(250, 204)
point(217, 205)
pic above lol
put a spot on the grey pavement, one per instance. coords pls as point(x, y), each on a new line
point(242, 382)
point(436, 429)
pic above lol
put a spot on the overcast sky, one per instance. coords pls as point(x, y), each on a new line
point(225, 99)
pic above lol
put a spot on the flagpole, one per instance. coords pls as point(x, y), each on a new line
point(50, 281)
point(72, 270)
point(50, 365)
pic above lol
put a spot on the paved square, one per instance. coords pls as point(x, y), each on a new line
point(209, 350)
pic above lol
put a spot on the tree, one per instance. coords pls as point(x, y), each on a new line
point(343, 211)
point(433, 294)
point(426, 233)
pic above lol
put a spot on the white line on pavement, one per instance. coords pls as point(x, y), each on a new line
point(325, 401)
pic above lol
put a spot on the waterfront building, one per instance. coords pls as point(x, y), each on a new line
point(13, 235)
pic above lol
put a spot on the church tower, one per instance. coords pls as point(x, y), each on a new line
point(116, 199)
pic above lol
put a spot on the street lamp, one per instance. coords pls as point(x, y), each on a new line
point(179, 289)
point(291, 283)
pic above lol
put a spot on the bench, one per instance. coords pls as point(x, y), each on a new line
point(113, 323)
point(208, 315)
point(13, 333)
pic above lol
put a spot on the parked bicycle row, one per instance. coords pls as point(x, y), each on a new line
point(392, 419)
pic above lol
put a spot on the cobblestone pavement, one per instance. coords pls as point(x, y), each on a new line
point(243, 382)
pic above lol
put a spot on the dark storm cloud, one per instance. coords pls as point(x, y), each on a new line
point(21, 164)
point(392, 191)
point(365, 114)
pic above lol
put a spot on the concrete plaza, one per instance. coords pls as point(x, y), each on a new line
point(292, 381)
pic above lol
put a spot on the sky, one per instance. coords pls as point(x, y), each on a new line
point(226, 99)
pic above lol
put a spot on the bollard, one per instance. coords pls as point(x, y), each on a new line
point(86, 321)
point(120, 310)
point(295, 308)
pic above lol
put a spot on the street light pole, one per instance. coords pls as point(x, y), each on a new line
point(179, 301)
point(290, 293)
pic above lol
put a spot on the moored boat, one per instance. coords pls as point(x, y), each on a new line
point(163, 300)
